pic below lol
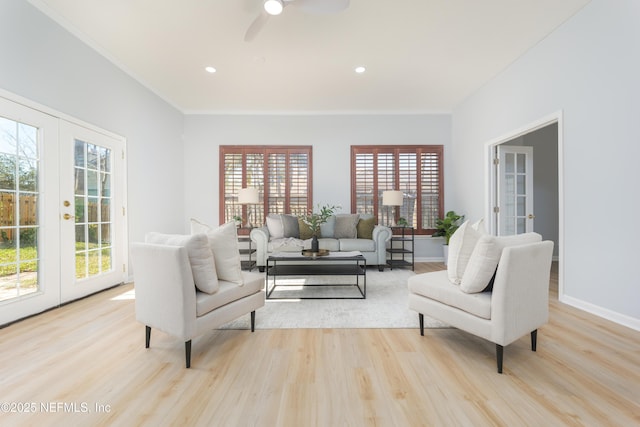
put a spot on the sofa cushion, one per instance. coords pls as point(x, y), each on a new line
point(365, 227)
point(437, 286)
point(482, 265)
point(362, 245)
point(200, 257)
point(461, 246)
point(305, 230)
point(228, 292)
point(346, 226)
point(323, 243)
point(484, 259)
point(328, 229)
point(275, 226)
point(290, 226)
point(223, 241)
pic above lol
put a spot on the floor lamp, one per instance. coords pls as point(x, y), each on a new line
point(392, 198)
point(248, 196)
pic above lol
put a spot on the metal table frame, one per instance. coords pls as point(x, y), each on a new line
point(298, 265)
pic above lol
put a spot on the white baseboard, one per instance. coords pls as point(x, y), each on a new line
point(621, 319)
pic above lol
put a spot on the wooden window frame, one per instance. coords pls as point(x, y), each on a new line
point(395, 150)
point(264, 150)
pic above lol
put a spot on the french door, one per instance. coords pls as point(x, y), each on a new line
point(91, 205)
point(515, 190)
point(62, 224)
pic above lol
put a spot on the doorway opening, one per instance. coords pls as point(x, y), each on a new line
point(541, 144)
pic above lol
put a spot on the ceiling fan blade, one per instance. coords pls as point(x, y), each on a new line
point(321, 7)
point(256, 26)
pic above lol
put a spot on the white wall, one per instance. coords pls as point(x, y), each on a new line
point(330, 135)
point(44, 63)
point(589, 69)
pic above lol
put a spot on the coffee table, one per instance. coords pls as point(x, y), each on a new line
point(284, 264)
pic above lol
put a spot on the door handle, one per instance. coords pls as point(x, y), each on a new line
point(531, 216)
point(67, 216)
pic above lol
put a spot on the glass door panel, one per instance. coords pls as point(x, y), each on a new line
point(515, 190)
point(92, 209)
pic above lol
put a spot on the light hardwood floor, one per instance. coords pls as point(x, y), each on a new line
point(90, 356)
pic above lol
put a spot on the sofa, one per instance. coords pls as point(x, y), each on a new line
point(496, 288)
point(342, 233)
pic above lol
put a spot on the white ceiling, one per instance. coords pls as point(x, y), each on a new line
point(421, 55)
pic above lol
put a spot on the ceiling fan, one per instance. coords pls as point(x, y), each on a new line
point(275, 7)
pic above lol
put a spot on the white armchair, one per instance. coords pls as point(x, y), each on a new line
point(517, 305)
point(167, 299)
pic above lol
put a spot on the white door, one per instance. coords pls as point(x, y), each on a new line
point(92, 213)
point(62, 222)
point(29, 225)
point(514, 214)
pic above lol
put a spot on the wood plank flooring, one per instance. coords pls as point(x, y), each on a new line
point(85, 364)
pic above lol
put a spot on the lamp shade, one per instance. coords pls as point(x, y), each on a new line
point(392, 198)
point(248, 195)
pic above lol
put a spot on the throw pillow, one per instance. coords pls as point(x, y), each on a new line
point(305, 230)
point(346, 226)
point(200, 257)
point(290, 226)
point(365, 228)
point(461, 245)
point(482, 265)
point(275, 226)
point(328, 229)
point(223, 241)
point(479, 226)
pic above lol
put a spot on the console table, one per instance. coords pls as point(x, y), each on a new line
point(282, 265)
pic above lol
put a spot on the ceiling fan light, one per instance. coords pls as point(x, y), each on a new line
point(273, 7)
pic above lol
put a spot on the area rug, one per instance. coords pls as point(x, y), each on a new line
point(384, 307)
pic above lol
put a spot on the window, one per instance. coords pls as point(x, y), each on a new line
point(416, 170)
point(281, 174)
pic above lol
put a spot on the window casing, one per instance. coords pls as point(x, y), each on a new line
point(416, 170)
point(282, 175)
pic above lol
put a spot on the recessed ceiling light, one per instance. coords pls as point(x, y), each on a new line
point(360, 70)
point(210, 70)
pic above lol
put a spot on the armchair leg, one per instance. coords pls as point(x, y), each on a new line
point(499, 355)
point(534, 340)
point(381, 268)
point(253, 320)
point(187, 353)
point(147, 336)
point(421, 320)
point(261, 268)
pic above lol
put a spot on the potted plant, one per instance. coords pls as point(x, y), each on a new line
point(445, 227)
point(315, 219)
point(238, 220)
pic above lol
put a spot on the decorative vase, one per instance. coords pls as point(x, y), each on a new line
point(314, 244)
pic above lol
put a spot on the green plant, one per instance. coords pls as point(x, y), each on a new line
point(238, 219)
point(402, 221)
point(445, 227)
point(315, 219)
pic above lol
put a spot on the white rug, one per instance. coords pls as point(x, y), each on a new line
point(384, 307)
